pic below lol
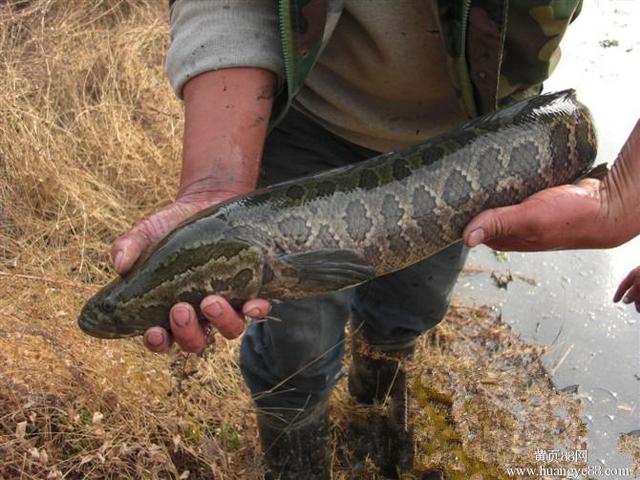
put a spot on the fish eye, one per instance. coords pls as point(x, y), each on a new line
point(107, 306)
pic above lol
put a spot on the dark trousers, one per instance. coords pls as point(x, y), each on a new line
point(295, 362)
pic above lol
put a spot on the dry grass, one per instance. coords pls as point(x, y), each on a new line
point(90, 139)
point(630, 443)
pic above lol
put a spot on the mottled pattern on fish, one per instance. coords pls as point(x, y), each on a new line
point(345, 226)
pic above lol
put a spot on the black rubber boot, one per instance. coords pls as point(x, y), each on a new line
point(377, 375)
point(295, 444)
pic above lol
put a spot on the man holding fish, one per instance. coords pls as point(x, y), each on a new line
point(274, 94)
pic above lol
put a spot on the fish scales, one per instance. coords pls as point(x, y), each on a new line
point(345, 226)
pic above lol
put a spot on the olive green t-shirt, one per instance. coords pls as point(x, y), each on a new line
point(382, 80)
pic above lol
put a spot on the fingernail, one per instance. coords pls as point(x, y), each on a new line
point(214, 309)
point(155, 339)
point(476, 237)
point(181, 316)
point(118, 260)
point(254, 312)
point(627, 299)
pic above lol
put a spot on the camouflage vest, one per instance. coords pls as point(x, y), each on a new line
point(498, 51)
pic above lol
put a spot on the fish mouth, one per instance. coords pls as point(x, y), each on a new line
point(95, 323)
point(95, 329)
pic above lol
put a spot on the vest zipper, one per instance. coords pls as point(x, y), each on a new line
point(466, 87)
point(284, 21)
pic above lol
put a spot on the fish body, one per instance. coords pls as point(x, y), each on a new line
point(345, 226)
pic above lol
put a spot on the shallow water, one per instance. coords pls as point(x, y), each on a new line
point(591, 342)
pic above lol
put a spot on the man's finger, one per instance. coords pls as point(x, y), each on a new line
point(623, 287)
point(256, 308)
point(632, 295)
point(222, 316)
point(157, 340)
point(626, 284)
point(186, 329)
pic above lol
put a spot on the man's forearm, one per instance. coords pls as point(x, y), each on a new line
point(621, 191)
point(226, 118)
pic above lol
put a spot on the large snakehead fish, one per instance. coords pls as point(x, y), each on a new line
point(343, 227)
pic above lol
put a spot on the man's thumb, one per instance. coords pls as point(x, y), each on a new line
point(126, 250)
point(492, 224)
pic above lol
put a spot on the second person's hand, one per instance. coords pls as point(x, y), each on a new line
point(567, 216)
point(589, 214)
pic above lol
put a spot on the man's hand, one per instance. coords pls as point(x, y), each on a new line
point(557, 218)
point(226, 116)
point(187, 331)
point(629, 289)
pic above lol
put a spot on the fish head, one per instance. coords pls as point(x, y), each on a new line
point(103, 316)
point(199, 258)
